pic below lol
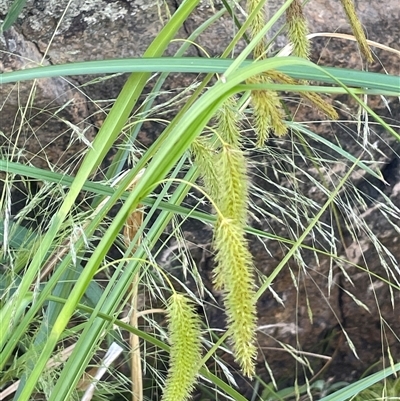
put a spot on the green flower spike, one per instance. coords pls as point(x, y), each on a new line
point(185, 353)
point(298, 29)
point(357, 28)
point(236, 270)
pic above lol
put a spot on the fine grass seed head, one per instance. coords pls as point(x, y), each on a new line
point(185, 354)
point(298, 29)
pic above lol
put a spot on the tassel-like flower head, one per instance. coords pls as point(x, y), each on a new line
point(298, 29)
point(236, 269)
point(357, 28)
point(185, 353)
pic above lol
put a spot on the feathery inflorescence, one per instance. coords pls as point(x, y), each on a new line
point(357, 28)
point(185, 354)
point(298, 29)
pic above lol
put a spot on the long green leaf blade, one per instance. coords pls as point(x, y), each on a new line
point(353, 78)
point(12, 15)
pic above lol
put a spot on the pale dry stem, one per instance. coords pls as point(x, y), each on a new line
point(132, 226)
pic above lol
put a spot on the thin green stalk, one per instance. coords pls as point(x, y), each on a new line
point(303, 236)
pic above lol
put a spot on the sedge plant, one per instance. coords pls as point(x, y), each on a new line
point(52, 297)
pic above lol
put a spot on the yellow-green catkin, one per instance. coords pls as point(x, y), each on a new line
point(228, 123)
point(236, 267)
point(312, 97)
point(320, 104)
point(224, 171)
point(185, 353)
point(357, 28)
point(258, 23)
point(234, 272)
point(298, 29)
point(297, 32)
point(268, 113)
point(231, 165)
point(205, 155)
point(231, 201)
point(267, 110)
point(233, 184)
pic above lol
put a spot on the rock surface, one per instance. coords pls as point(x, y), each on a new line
point(97, 29)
